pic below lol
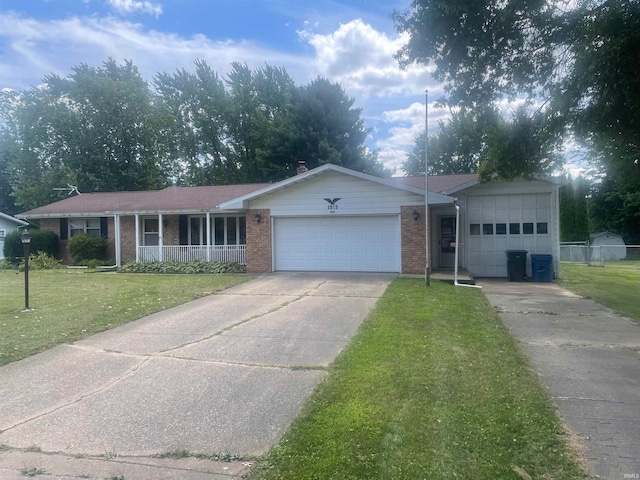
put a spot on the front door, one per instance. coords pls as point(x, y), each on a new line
point(447, 241)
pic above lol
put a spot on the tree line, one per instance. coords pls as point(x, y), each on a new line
point(107, 129)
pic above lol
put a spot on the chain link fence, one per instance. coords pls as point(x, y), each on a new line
point(600, 255)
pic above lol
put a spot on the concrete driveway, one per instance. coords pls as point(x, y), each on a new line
point(224, 374)
point(589, 359)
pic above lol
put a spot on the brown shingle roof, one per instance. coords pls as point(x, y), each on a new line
point(171, 199)
point(439, 183)
point(195, 199)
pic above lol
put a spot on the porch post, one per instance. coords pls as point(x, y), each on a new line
point(116, 227)
point(160, 239)
point(208, 236)
point(137, 238)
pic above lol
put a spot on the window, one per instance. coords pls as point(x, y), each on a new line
point(487, 228)
point(151, 232)
point(527, 228)
point(3, 233)
point(224, 231)
point(541, 228)
point(514, 229)
point(90, 226)
point(501, 228)
point(196, 231)
point(474, 229)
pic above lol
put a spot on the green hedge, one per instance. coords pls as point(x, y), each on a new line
point(44, 241)
point(183, 267)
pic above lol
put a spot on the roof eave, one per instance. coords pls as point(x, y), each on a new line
point(242, 201)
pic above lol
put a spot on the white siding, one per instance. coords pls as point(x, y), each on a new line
point(357, 197)
point(486, 250)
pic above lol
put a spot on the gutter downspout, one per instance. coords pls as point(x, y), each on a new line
point(455, 270)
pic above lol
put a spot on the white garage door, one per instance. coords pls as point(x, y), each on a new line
point(497, 223)
point(341, 244)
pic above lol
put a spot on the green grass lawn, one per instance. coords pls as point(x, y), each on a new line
point(431, 387)
point(615, 286)
point(68, 305)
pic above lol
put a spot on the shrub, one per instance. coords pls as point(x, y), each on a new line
point(42, 261)
point(41, 241)
point(83, 247)
point(183, 267)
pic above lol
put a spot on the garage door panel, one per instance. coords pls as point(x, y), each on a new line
point(486, 250)
point(337, 244)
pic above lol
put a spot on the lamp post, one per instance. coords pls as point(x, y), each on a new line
point(26, 240)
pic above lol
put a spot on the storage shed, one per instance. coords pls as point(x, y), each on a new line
point(607, 246)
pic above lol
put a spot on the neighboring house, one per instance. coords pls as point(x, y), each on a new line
point(607, 246)
point(326, 219)
point(8, 224)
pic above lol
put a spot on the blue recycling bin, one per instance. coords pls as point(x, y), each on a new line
point(541, 268)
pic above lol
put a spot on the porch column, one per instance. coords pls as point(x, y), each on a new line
point(137, 238)
point(160, 239)
point(208, 236)
point(116, 227)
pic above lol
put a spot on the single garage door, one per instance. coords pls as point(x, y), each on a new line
point(337, 243)
point(497, 223)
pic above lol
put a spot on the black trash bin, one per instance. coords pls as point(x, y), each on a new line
point(541, 267)
point(517, 265)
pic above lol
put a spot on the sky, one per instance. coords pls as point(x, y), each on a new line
point(351, 42)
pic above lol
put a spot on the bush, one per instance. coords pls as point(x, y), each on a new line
point(41, 241)
point(83, 247)
point(42, 261)
point(183, 267)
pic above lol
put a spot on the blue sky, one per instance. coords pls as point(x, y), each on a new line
point(348, 41)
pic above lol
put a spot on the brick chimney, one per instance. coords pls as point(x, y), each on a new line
point(302, 167)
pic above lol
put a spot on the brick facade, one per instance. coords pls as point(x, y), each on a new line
point(127, 239)
point(412, 235)
point(259, 250)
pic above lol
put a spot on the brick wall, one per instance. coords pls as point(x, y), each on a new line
point(413, 240)
point(128, 239)
point(53, 225)
point(259, 242)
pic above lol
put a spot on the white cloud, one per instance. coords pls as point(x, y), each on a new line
point(362, 60)
point(33, 49)
point(130, 6)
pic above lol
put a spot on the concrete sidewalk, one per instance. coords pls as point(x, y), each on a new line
point(224, 374)
point(589, 360)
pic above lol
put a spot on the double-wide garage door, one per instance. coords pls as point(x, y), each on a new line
point(337, 243)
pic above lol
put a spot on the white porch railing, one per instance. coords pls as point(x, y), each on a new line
point(191, 253)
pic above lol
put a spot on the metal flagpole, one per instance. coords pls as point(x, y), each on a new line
point(427, 273)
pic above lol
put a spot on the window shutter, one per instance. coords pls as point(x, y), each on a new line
point(64, 228)
point(183, 222)
point(104, 227)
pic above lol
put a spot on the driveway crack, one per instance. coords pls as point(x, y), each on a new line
point(81, 397)
point(241, 322)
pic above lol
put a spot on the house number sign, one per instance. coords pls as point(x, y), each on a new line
point(332, 204)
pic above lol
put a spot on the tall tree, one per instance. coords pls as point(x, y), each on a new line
point(98, 128)
point(575, 64)
point(456, 148)
point(200, 104)
point(331, 129)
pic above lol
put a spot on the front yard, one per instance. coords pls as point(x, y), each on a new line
point(72, 304)
point(431, 387)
